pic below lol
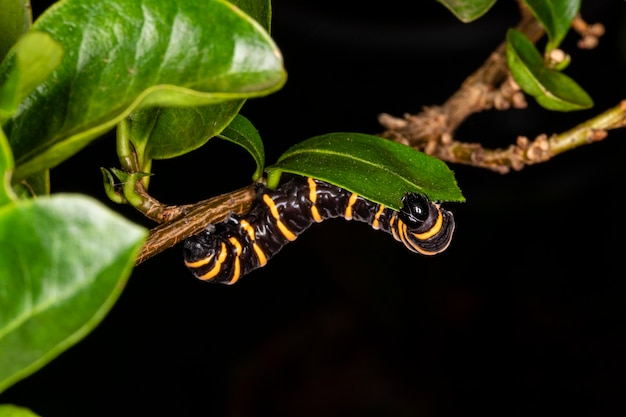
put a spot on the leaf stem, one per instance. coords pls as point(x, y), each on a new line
point(125, 152)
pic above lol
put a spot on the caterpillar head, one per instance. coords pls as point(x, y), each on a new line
point(426, 227)
point(416, 209)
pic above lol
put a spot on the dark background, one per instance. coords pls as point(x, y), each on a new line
point(523, 315)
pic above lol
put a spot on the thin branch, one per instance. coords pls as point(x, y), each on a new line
point(197, 217)
point(154, 209)
point(590, 34)
point(541, 149)
point(477, 93)
point(491, 86)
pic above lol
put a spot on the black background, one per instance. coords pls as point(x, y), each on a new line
point(522, 316)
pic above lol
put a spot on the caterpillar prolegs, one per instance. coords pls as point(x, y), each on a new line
point(227, 251)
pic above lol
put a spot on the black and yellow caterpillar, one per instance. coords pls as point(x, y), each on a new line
point(227, 251)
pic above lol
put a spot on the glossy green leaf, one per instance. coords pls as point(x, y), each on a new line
point(176, 131)
point(30, 62)
point(378, 169)
point(556, 17)
point(33, 58)
point(65, 260)
point(15, 19)
point(161, 53)
point(6, 168)
point(552, 89)
point(244, 134)
point(468, 10)
point(169, 132)
point(259, 10)
point(8, 410)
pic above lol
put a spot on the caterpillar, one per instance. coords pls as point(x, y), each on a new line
point(227, 251)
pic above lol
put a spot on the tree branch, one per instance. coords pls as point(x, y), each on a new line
point(197, 217)
point(477, 93)
point(541, 149)
point(491, 86)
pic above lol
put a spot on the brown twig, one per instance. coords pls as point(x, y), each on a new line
point(157, 211)
point(541, 149)
point(590, 34)
point(426, 130)
point(491, 86)
point(197, 217)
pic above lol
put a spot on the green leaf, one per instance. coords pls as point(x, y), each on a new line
point(7, 410)
point(169, 132)
point(555, 16)
point(33, 58)
point(259, 10)
point(468, 10)
point(552, 89)
point(30, 62)
point(65, 260)
point(244, 134)
point(36, 185)
point(378, 169)
point(161, 53)
point(15, 19)
point(177, 131)
point(6, 168)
